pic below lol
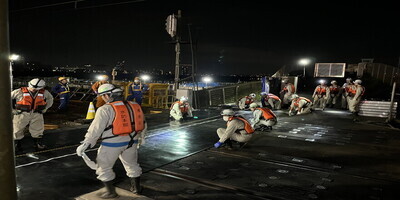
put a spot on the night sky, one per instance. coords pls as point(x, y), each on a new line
point(243, 37)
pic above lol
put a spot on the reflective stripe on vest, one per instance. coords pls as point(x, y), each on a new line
point(267, 113)
point(118, 144)
point(247, 125)
point(29, 103)
point(135, 87)
point(128, 118)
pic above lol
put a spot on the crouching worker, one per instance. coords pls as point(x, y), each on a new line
point(263, 118)
point(300, 105)
point(238, 129)
point(181, 110)
point(121, 126)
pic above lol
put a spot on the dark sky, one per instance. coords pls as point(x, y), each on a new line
point(251, 36)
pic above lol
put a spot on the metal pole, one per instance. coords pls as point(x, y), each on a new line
point(193, 71)
point(304, 70)
point(7, 162)
point(392, 102)
point(177, 56)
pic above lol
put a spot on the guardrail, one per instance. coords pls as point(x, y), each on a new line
point(377, 109)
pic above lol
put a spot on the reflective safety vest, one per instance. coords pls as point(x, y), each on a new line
point(29, 102)
point(267, 113)
point(137, 88)
point(353, 90)
point(247, 125)
point(321, 90)
point(334, 90)
point(249, 100)
point(296, 103)
point(66, 89)
point(272, 96)
point(128, 118)
point(292, 87)
point(184, 107)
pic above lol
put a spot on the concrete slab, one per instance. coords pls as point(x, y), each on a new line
point(123, 195)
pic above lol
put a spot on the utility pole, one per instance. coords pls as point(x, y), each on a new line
point(7, 164)
point(178, 53)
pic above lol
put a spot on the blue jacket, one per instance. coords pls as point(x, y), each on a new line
point(60, 89)
point(137, 88)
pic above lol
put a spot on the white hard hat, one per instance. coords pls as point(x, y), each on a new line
point(348, 79)
point(263, 93)
point(228, 112)
point(37, 83)
point(332, 82)
point(183, 98)
point(253, 105)
point(358, 81)
point(252, 95)
point(108, 89)
point(294, 96)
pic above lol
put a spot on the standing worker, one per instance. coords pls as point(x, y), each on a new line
point(263, 118)
point(136, 90)
point(62, 89)
point(287, 91)
point(119, 125)
point(299, 105)
point(245, 102)
point(321, 95)
point(271, 101)
point(103, 79)
point(334, 90)
point(181, 110)
point(29, 105)
point(356, 91)
point(345, 91)
point(238, 129)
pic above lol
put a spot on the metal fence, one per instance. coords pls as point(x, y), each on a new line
point(377, 109)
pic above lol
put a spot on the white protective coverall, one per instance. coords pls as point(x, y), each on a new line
point(355, 100)
point(242, 103)
point(176, 113)
point(334, 94)
point(111, 149)
point(274, 103)
point(33, 119)
point(258, 119)
point(303, 107)
point(345, 95)
point(320, 98)
point(234, 131)
point(288, 91)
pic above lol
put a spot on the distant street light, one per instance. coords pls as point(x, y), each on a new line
point(12, 58)
point(207, 80)
point(145, 77)
point(304, 62)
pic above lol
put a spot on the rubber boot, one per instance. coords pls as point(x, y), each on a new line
point(18, 146)
point(135, 185)
point(39, 144)
point(110, 191)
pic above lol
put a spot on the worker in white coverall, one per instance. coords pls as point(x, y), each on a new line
point(245, 102)
point(321, 95)
point(181, 110)
point(334, 90)
point(238, 129)
point(344, 92)
point(29, 104)
point(299, 105)
point(355, 94)
point(271, 101)
point(287, 91)
point(263, 118)
point(121, 127)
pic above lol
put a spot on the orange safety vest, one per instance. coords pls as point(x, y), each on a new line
point(292, 86)
point(249, 100)
point(334, 90)
point(272, 96)
point(247, 125)
point(128, 118)
point(353, 90)
point(184, 107)
point(267, 113)
point(321, 90)
point(296, 103)
point(29, 103)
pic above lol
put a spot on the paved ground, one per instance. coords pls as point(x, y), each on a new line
point(323, 155)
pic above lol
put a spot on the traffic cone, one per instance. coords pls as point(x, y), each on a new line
point(91, 111)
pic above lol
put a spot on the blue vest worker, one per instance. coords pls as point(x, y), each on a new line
point(62, 89)
point(136, 90)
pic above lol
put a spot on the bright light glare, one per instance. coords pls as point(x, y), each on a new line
point(14, 57)
point(207, 79)
point(304, 61)
point(100, 77)
point(322, 81)
point(145, 77)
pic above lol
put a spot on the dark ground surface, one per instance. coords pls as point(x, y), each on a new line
point(322, 155)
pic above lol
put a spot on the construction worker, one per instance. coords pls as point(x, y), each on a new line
point(287, 91)
point(334, 90)
point(121, 126)
point(136, 90)
point(102, 79)
point(263, 118)
point(271, 101)
point(299, 105)
point(321, 95)
point(29, 104)
point(245, 102)
point(238, 129)
point(344, 91)
point(355, 92)
point(62, 89)
point(181, 110)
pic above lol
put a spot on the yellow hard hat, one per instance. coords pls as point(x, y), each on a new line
point(62, 78)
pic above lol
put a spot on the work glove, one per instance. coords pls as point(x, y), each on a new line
point(43, 111)
point(218, 144)
point(82, 148)
point(16, 112)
